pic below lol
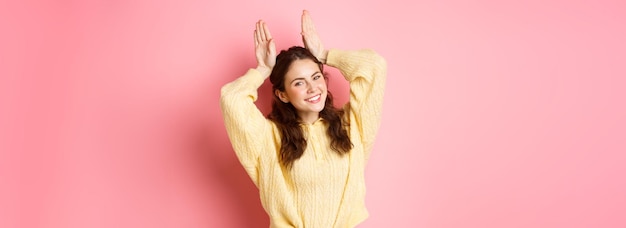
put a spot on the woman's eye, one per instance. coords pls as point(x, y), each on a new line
point(298, 84)
point(316, 77)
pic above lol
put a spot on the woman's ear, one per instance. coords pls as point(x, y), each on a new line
point(282, 96)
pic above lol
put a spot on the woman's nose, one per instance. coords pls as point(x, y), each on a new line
point(310, 88)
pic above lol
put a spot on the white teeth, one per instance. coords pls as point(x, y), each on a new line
point(314, 98)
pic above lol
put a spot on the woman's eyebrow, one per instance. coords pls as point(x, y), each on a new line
point(302, 78)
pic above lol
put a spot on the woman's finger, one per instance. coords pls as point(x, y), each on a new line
point(268, 35)
point(272, 48)
point(307, 23)
point(303, 21)
point(258, 32)
point(262, 29)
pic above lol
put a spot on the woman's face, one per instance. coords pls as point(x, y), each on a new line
point(305, 89)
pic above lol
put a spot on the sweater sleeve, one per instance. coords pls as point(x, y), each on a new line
point(245, 124)
point(366, 71)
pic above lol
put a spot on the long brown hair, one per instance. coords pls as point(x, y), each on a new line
point(285, 116)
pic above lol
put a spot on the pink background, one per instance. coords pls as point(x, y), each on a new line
point(496, 114)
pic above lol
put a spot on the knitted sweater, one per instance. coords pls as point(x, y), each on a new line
point(323, 189)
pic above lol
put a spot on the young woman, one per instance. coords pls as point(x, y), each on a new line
point(307, 157)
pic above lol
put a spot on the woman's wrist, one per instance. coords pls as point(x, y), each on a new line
point(324, 56)
point(264, 70)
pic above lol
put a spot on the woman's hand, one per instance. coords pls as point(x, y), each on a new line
point(265, 48)
point(310, 38)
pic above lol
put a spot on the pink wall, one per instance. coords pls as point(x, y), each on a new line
point(496, 114)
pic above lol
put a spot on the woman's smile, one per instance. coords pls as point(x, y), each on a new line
point(314, 99)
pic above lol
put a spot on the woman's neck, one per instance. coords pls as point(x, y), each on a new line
point(309, 117)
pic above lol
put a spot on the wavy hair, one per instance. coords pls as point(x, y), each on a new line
point(285, 115)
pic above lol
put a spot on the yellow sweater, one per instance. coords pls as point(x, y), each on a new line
point(323, 189)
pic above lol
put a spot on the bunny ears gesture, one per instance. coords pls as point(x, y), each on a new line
point(311, 40)
point(265, 48)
